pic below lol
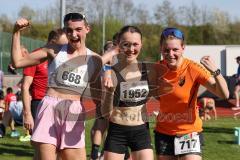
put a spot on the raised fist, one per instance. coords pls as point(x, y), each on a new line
point(21, 24)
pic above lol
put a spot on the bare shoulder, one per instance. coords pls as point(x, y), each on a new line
point(96, 54)
point(52, 49)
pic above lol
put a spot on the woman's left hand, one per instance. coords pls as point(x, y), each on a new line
point(208, 63)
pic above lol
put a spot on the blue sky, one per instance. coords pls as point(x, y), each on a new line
point(11, 7)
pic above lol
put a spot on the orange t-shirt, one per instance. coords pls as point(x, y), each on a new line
point(178, 110)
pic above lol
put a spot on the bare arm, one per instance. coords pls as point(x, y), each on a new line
point(27, 115)
point(108, 55)
point(107, 102)
point(18, 60)
point(215, 84)
point(218, 86)
point(108, 96)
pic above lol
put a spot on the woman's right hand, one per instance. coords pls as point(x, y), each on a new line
point(21, 24)
point(28, 121)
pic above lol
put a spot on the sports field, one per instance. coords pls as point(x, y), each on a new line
point(219, 142)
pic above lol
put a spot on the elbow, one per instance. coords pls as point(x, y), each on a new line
point(225, 95)
point(15, 64)
point(25, 87)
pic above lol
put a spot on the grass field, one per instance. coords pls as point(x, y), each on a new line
point(218, 135)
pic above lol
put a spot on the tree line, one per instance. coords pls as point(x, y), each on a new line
point(201, 26)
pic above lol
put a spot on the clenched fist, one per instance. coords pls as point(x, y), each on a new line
point(21, 24)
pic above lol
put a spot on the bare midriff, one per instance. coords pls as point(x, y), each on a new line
point(129, 116)
point(63, 94)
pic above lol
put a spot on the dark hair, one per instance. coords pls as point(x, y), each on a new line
point(1, 94)
point(107, 45)
point(128, 28)
point(19, 96)
point(74, 17)
point(9, 90)
point(54, 35)
point(11, 69)
point(115, 38)
point(238, 58)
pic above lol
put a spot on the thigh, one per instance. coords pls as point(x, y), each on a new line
point(116, 140)
point(191, 157)
point(139, 139)
point(145, 154)
point(45, 151)
point(72, 126)
point(45, 130)
point(164, 144)
point(73, 154)
point(111, 155)
point(164, 157)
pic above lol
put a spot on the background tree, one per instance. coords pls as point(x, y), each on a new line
point(26, 12)
point(165, 14)
point(141, 15)
point(189, 15)
point(203, 25)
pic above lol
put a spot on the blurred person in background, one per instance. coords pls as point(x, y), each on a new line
point(207, 108)
point(237, 85)
point(7, 116)
point(16, 109)
point(2, 108)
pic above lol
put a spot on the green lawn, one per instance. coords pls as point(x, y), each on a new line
point(220, 140)
point(218, 135)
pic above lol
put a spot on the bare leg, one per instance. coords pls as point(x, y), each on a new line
point(111, 156)
point(191, 157)
point(165, 157)
point(45, 151)
point(73, 154)
point(145, 154)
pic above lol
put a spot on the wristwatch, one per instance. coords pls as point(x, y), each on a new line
point(216, 73)
point(107, 67)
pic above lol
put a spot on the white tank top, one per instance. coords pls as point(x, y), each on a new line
point(68, 73)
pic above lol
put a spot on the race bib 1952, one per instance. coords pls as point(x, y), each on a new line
point(133, 91)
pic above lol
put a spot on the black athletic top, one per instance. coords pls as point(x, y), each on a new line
point(135, 96)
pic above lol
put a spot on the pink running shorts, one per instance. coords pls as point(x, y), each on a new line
point(60, 122)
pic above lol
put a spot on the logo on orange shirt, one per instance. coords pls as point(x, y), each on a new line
point(181, 81)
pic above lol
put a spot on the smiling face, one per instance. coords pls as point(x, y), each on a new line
point(172, 50)
point(130, 45)
point(76, 31)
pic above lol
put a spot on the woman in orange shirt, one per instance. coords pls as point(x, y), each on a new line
point(178, 129)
